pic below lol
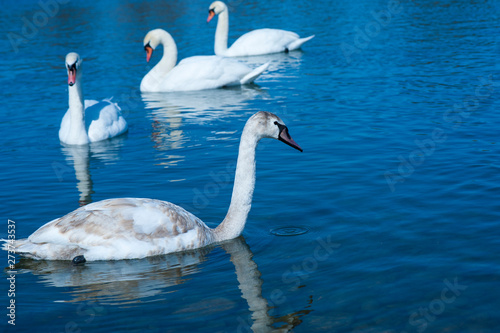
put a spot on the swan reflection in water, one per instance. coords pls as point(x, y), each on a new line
point(204, 105)
point(282, 65)
point(80, 157)
point(170, 111)
point(126, 282)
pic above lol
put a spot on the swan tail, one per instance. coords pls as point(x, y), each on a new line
point(298, 43)
point(250, 77)
point(20, 246)
point(110, 100)
point(27, 249)
point(6, 243)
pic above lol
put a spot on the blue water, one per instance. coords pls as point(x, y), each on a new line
point(395, 104)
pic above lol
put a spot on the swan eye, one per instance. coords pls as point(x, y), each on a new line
point(281, 127)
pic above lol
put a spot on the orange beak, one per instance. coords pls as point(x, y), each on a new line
point(149, 52)
point(71, 76)
point(211, 15)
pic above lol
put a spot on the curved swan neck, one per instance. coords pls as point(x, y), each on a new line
point(157, 74)
point(169, 58)
point(244, 184)
point(221, 33)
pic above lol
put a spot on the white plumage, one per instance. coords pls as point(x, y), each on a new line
point(193, 73)
point(256, 42)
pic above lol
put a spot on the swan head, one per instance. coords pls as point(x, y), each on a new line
point(269, 125)
point(152, 40)
point(73, 65)
point(215, 8)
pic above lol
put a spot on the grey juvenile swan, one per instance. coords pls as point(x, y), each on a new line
point(127, 228)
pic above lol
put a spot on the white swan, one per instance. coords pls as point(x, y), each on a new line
point(193, 73)
point(135, 228)
point(94, 121)
point(256, 42)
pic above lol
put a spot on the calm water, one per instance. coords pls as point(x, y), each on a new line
point(396, 107)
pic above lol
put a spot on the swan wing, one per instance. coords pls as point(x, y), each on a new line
point(250, 77)
point(262, 41)
point(104, 120)
point(205, 72)
point(298, 43)
point(90, 102)
point(117, 229)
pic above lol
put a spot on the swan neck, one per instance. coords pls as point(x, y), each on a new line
point(221, 33)
point(76, 106)
point(244, 183)
point(156, 75)
point(169, 58)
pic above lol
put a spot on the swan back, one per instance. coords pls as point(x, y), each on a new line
point(262, 41)
point(117, 229)
point(104, 120)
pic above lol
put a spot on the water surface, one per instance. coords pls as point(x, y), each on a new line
point(396, 107)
